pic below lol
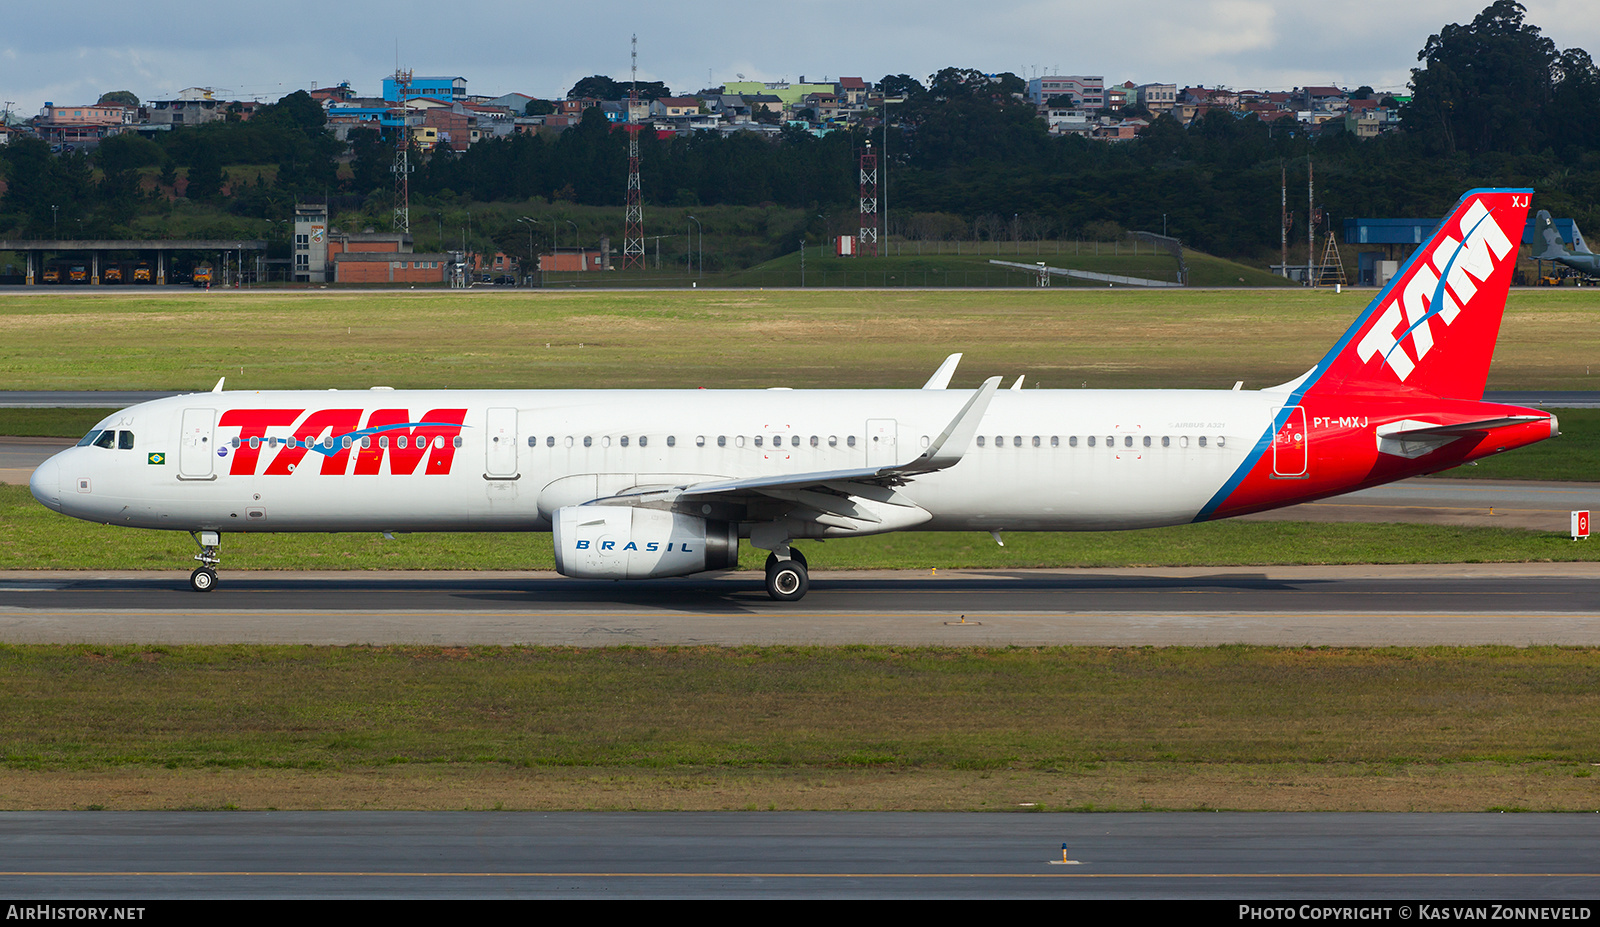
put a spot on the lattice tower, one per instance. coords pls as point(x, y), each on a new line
point(867, 236)
point(402, 156)
point(633, 220)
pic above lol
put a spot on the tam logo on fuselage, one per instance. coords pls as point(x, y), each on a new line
point(391, 440)
point(1439, 287)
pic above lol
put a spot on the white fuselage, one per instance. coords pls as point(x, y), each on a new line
point(1043, 459)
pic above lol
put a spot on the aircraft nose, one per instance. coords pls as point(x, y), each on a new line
point(45, 484)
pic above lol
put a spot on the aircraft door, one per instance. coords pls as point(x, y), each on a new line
point(1291, 447)
point(500, 441)
point(881, 450)
point(197, 445)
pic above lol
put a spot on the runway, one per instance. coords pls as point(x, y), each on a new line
point(1512, 604)
point(1387, 859)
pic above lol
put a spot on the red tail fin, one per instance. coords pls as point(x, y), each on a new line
point(1433, 328)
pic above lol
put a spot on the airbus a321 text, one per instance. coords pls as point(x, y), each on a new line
point(653, 483)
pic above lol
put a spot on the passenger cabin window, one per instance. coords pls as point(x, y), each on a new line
point(1091, 440)
point(980, 440)
point(851, 441)
point(722, 440)
point(1202, 440)
point(672, 441)
point(624, 440)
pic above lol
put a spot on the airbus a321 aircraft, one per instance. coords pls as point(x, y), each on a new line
point(637, 484)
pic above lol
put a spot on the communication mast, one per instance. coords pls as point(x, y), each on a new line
point(867, 237)
point(402, 155)
point(633, 221)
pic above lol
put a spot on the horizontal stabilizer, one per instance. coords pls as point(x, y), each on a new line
point(1458, 429)
point(1411, 439)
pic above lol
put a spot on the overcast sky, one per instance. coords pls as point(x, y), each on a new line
point(73, 51)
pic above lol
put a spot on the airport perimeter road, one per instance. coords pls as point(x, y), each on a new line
point(78, 398)
point(19, 456)
point(1515, 604)
point(1391, 859)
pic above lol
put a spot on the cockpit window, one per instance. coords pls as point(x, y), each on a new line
point(89, 438)
point(125, 440)
point(107, 439)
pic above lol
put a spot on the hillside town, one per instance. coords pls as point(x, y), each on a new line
point(439, 111)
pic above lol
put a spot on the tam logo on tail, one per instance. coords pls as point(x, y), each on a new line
point(1434, 327)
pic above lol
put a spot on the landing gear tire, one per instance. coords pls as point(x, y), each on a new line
point(787, 580)
point(203, 579)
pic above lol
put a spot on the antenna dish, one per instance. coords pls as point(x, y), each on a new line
point(741, 76)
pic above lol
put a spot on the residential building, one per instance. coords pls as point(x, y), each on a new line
point(1087, 93)
point(444, 88)
point(1157, 98)
point(338, 93)
point(672, 107)
point(852, 91)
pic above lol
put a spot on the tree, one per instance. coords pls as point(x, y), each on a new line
point(125, 97)
point(538, 108)
point(901, 85)
point(1485, 85)
point(205, 173)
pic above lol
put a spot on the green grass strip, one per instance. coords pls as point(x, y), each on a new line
point(1061, 708)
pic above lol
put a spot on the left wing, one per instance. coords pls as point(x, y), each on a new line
point(858, 500)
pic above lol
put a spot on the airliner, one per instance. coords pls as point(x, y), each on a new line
point(639, 484)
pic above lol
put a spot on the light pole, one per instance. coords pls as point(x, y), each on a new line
point(702, 245)
point(802, 263)
point(531, 256)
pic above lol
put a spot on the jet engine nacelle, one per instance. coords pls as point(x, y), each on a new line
point(623, 542)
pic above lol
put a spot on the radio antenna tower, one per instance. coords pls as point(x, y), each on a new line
point(867, 238)
point(402, 155)
point(633, 221)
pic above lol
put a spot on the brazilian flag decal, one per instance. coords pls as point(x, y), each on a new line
point(158, 459)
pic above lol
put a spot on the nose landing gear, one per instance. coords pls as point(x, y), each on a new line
point(204, 578)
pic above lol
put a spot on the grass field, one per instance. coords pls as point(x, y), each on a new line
point(1059, 338)
point(1466, 729)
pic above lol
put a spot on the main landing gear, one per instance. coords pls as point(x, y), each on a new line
point(204, 578)
point(788, 580)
